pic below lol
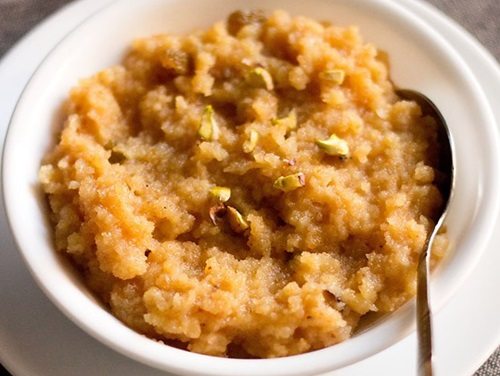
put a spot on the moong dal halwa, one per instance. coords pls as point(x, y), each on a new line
point(249, 190)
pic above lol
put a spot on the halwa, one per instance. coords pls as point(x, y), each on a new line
point(251, 190)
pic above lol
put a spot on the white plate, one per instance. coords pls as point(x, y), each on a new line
point(36, 339)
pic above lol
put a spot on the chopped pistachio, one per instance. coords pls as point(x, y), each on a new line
point(209, 129)
point(334, 146)
point(335, 76)
point(216, 213)
point(290, 182)
point(290, 121)
point(259, 77)
point(236, 221)
point(221, 194)
point(250, 144)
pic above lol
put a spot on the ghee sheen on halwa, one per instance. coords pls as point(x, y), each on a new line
point(253, 189)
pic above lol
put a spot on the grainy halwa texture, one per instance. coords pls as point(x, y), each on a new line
point(128, 186)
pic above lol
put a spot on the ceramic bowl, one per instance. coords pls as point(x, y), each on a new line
point(420, 59)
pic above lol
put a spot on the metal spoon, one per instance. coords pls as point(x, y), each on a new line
point(445, 185)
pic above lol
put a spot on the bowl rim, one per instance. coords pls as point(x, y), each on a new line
point(302, 363)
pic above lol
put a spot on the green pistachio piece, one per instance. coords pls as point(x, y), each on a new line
point(250, 144)
point(259, 77)
point(290, 122)
point(237, 222)
point(209, 129)
point(221, 194)
point(290, 183)
point(334, 146)
point(335, 76)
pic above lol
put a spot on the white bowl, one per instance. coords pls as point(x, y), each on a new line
point(421, 60)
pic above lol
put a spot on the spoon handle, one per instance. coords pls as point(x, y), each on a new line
point(424, 321)
point(424, 327)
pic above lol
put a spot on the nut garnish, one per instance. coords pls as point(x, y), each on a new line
point(290, 182)
point(217, 213)
point(209, 129)
point(335, 76)
point(334, 146)
point(250, 144)
point(221, 194)
point(236, 221)
point(290, 121)
point(259, 77)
